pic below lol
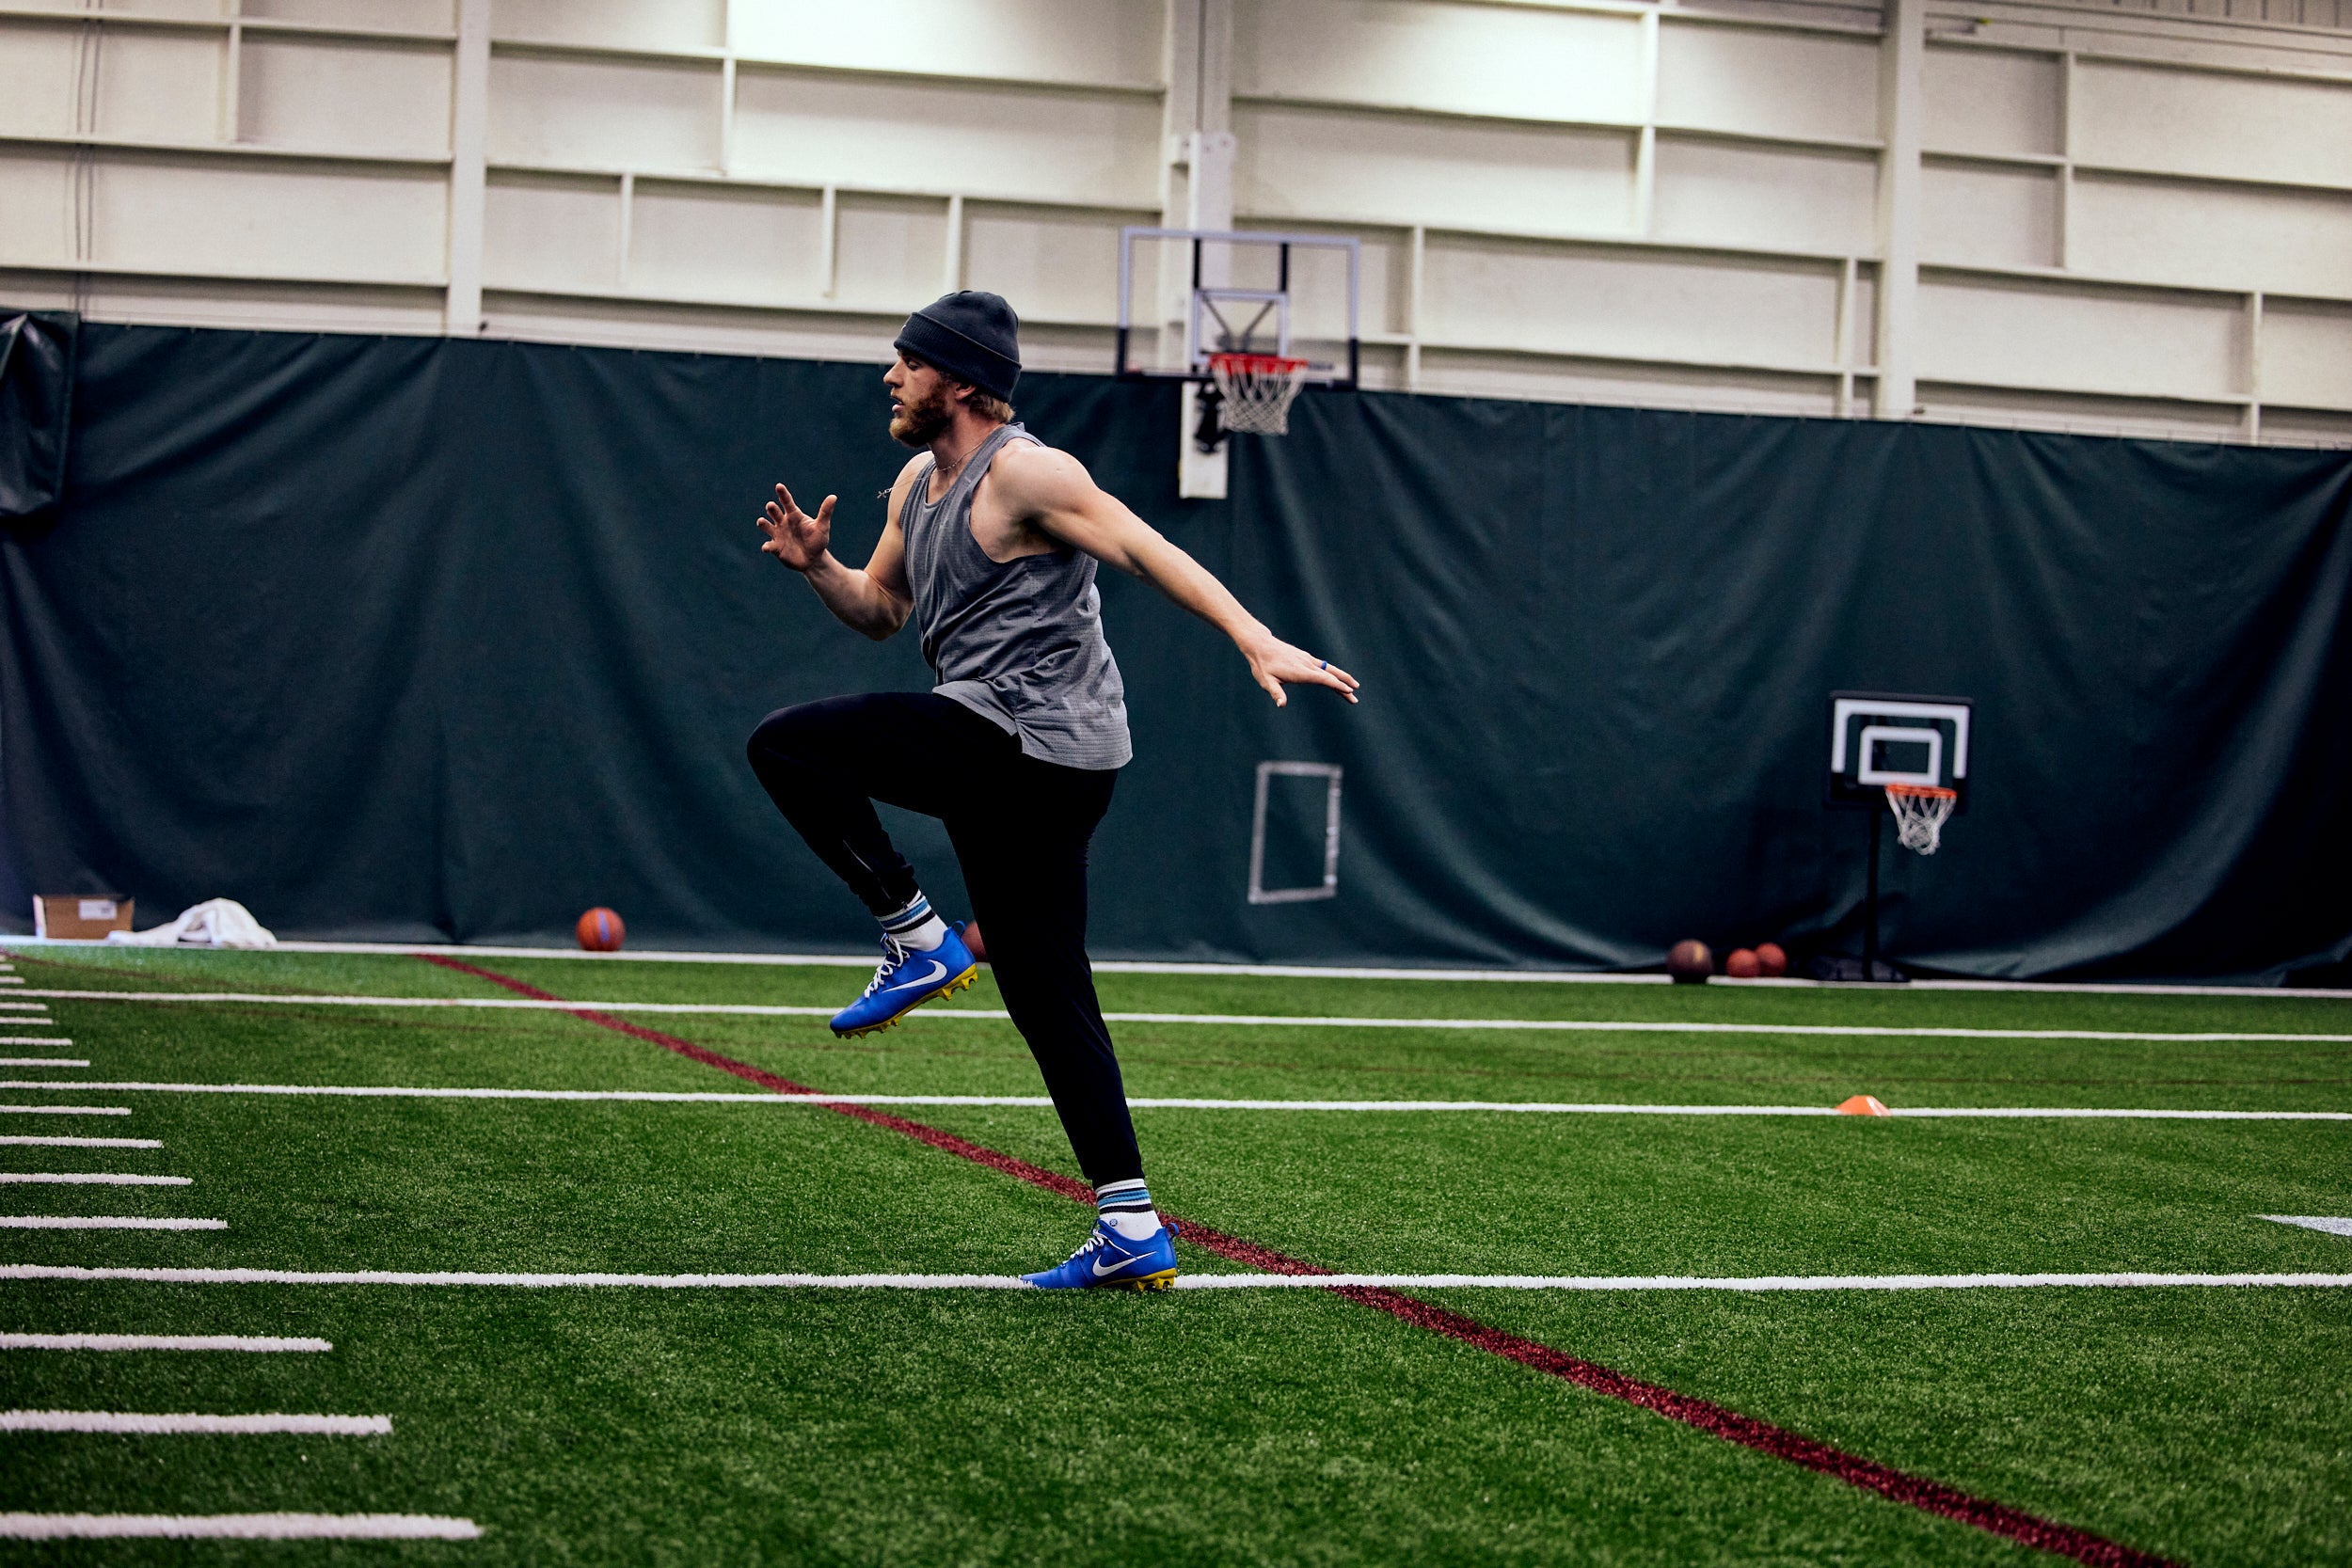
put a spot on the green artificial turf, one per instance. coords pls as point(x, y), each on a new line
point(622, 1425)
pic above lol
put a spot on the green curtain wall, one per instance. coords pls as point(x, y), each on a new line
point(426, 639)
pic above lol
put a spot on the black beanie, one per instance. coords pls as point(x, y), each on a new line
point(972, 334)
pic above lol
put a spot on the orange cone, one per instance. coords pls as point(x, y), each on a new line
point(1864, 1106)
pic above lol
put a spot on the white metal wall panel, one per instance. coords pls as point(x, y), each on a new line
point(1506, 294)
point(1990, 215)
point(892, 252)
point(2222, 236)
point(151, 86)
point(1789, 199)
point(321, 95)
point(2218, 236)
point(2244, 127)
point(706, 242)
point(1767, 83)
point(395, 16)
point(2307, 354)
point(272, 218)
point(562, 112)
point(1468, 59)
point(1081, 42)
point(37, 193)
point(1037, 144)
point(1050, 262)
point(1568, 380)
point(552, 231)
point(2126, 342)
point(657, 25)
point(1337, 164)
point(42, 57)
point(1994, 101)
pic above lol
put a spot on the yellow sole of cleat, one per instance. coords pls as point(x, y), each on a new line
point(1149, 1282)
point(962, 982)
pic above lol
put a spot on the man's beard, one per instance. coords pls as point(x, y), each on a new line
point(918, 424)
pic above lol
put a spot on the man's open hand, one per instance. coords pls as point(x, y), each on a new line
point(1273, 662)
point(794, 537)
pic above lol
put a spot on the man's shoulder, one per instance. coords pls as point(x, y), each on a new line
point(1031, 466)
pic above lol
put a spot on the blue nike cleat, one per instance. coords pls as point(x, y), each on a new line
point(908, 978)
point(1111, 1261)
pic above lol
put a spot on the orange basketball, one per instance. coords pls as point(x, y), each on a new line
point(601, 930)
point(1771, 961)
point(1742, 965)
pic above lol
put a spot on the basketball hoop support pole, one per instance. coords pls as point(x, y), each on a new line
point(1870, 906)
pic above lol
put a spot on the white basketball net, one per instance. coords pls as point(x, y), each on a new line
point(1255, 391)
point(1919, 812)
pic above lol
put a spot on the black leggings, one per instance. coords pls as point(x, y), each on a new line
point(1020, 826)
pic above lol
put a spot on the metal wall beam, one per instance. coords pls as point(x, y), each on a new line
point(1902, 72)
point(469, 183)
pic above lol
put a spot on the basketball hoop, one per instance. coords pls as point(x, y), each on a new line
point(1254, 391)
point(1919, 812)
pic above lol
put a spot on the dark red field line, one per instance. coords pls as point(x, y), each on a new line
point(1716, 1420)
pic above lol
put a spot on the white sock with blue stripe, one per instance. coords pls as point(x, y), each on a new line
point(916, 926)
point(1126, 1208)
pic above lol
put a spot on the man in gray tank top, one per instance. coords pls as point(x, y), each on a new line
point(991, 544)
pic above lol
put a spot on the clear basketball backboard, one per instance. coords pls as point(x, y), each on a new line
point(1186, 293)
point(1879, 738)
point(1192, 302)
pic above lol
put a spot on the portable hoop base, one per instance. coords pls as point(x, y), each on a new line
point(1920, 812)
point(1254, 391)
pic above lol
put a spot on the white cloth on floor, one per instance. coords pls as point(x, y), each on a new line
point(215, 922)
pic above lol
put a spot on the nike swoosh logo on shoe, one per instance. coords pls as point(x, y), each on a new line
point(1099, 1270)
point(939, 970)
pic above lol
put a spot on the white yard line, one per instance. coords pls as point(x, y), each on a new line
point(18, 1140)
point(676, 1097)
point(1245, 1282)
point(2333, 1225)
point(174, 1426)
point(1299, 972)
point(103, 1222)
point(43, 1061)
point(729, 1009)
point(258, 1344)
point(62, 1110)
point(236, 1526)
point(92, 1178)
point(31, 1040)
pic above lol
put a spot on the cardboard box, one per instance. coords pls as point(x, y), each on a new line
point(81, 916)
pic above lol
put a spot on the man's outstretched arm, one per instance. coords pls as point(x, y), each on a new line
point(876, 600)
point(1055, 491)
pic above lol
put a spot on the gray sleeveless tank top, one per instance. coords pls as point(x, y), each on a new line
point(1020, 643)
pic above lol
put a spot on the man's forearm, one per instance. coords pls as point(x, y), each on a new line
point(857, 599)
point(1191, 585)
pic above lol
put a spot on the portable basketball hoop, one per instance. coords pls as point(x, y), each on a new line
point(1920, 811)
point(1255, 391)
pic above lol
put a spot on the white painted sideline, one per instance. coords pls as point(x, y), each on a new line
point(235, 1526)
point(44, 1061)
point(14, 1140)
point(2331, 1224)
point(63, 1110)
point(91, 1178)
point(1243, 1281)
point(256, 1343)
point(103, 1222)
point(174, 1426)
point(31, 1040)
point(1149, 1102)
point(1286, 972)
point(1546, 1025)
